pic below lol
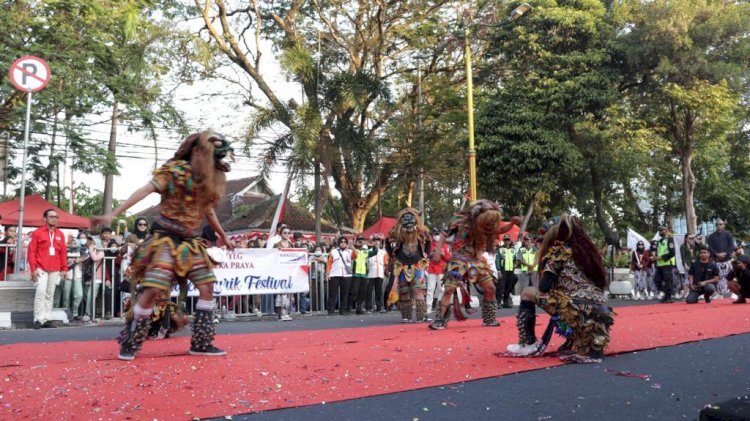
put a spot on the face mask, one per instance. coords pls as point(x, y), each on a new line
point(436, 238)
point(82, 242)
point(317, 253)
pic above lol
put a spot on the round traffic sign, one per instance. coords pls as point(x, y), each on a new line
point(29, 74)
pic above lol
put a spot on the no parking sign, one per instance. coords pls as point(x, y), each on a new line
point(29, 74)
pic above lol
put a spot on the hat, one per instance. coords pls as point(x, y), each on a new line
point(360, 237)
point(506, 237)
point(527, 237)
point(744, 258)
point(106, 229)
point(661, 227)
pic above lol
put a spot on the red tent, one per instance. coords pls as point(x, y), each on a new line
point(382, 226)
point(34, 207)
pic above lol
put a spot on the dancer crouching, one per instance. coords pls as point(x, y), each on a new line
point(190, 185)
point(572, 279)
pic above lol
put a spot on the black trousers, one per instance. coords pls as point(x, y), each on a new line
point(374, 284)
point(506, 285)
point(339, 286)
point(663, 279)
point(357, 293)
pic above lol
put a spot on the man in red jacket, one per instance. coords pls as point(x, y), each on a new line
point(48, 261)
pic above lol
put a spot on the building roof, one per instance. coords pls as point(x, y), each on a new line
point(260, 217)
point(241, 191)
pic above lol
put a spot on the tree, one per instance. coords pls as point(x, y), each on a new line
point(686, 61)
point(356, 88)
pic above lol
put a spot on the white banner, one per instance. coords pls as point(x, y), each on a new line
point(259, 271)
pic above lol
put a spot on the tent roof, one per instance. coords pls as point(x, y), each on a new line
point(34, 207)
point(381, 226)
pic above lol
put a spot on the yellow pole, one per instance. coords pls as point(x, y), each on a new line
point(470, 100)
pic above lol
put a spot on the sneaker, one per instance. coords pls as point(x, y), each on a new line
point(429, 319)
point(740, 300)
point(286, 318)
point(383, 311)
point(438, 325)
point(209, 351)
point(405, 320)
point(708, 300)
point(493, 323)
point(258, 313)
point(48, 324)
point(126, 353)
point(86, 318)
point(637, 296)
point(37, 325)
point(522, 350)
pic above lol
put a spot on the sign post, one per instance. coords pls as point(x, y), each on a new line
point(29, 74)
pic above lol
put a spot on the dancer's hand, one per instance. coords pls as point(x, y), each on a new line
point(227, 243)
point(99, 220)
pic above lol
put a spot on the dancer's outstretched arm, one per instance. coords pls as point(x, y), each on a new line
point(214, 222)
point(134, 198)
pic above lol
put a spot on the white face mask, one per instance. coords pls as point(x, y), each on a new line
point(436, 237)
point(82, 241)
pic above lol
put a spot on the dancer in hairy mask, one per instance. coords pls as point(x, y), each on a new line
point(474, 230)
point(408, 245)
point(572, 279)
point(190, 185)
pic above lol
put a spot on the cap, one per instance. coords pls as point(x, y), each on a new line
point(527, 237)
point(744, 258)
point(360, 237)
point(661, 228)
point(506, 237)
point(436, 231)
point(106, 229)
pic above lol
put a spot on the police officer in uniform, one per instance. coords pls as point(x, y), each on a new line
point(526, 258)
point(505, 262)
point(665, 264)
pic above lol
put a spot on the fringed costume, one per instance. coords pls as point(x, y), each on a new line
point(473, 231)
point(174, 251)
point(567, 292)
point(412, 245)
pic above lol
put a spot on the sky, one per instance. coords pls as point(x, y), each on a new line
point(202, 109)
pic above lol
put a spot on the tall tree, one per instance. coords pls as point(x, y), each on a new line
point(359, 84)
point(686, 61)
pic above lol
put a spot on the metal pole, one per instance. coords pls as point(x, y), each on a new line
point(419, 134)
point(19, 245)
point(470, 101)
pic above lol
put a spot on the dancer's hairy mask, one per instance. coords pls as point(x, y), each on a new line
point(487, 216)
point(409, 221)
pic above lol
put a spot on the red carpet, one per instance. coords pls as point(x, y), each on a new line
point(268, 371)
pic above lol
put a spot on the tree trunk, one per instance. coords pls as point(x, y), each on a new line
point(112, 148)
point(688, 188)
point(526, 217)
point(51, 166)
point(610, 237)
point(358, 218)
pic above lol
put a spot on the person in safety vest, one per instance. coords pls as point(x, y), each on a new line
point(505, 262)
point(526, 257)
point(359, 274)
point(665, 264)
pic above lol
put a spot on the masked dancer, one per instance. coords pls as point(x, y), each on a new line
point(572, 278)
point(190, 185)
point(408, 244)
point(474, 229)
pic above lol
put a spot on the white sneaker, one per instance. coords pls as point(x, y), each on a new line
point(286, 318)
point(661, 295)
point(522, 350)
point(86, 318)
point(258, 313)
point(637, 296)
point(733, 296)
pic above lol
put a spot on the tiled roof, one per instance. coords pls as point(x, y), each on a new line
point(225, 206)
point(260, 217)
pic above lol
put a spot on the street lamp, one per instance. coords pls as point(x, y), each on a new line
point(517, 13)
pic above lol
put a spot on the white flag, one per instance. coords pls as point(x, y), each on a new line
point(634, 238)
